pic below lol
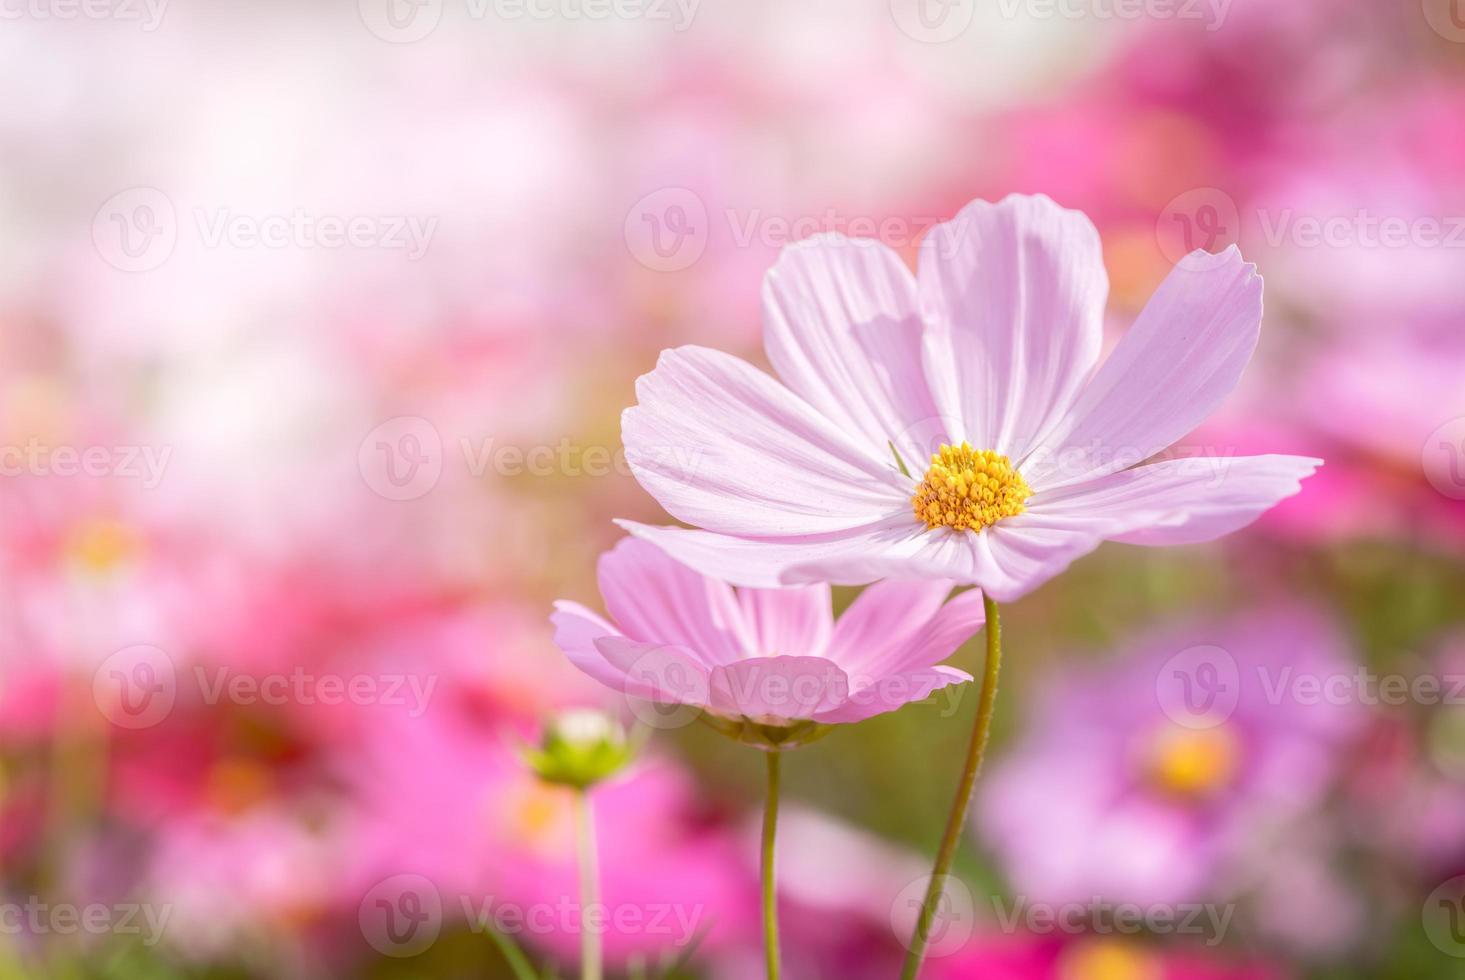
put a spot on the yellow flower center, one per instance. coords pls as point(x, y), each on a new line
point(969, 489)
point(1108, 959)
point(1194, 763)
point(535, 816)
point(236, 784)
point(102, 546)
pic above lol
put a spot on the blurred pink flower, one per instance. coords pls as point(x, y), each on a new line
point(996, 344)
point(1349, 498)
point(772, 656)
point(1091, 958)
point(1360, 228)
point(1172, 763)
point(1351, 389)
point(448, 801)
point(1408, 788)
point(230, 882)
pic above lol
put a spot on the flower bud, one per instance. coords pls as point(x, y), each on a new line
point(580, 748)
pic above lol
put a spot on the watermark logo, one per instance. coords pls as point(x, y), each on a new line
point(1199, 687)
point(1446, 18)
point(136, 230)
point(1212, 13)
point(145, 464)
point(1359, 686)
point(665, 690)
point(138, 686)
point(135, 687)
point(299, 686)
point(402, 459)
point(406, 21)
point(952, 923)
point(933, 21)
point(401, 916)
point(36, 917)
point(400, 21)
point(1102, 918)
point(667, 230)
point(147, 13)
point(1444, 917)
point(677, 924)
point(302, 229)
point(1205, 219)
point(1443, 459)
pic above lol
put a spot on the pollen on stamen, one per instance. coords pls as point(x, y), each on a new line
point(969, 489)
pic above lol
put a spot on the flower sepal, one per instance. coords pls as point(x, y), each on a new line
point(769, 738)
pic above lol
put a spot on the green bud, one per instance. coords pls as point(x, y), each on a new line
point(580, 748)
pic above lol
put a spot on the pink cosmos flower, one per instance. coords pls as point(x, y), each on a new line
point(1091, 957)
point(453, 802)
point(767, 656)
point(985, 364)
point(1178, 764)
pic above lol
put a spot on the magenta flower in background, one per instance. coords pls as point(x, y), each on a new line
point(454, 803)
point(772, 657)
point(1091, 958)
point(228, 875)
point(1408, 787)
point(1175, 764)
point(954, 425)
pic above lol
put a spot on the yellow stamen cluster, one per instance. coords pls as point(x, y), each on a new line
point(1194, 763)
point(1108, 959)
point(969, 489)
point(101, 546)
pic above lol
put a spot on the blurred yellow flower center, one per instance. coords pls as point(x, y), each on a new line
point(1194, 762)
point(536, 816)
point(234, 784)
point(1108, 959)
point(969, 489)
point(101, 546)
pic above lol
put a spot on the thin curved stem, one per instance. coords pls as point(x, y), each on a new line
point(956, 820)
point(590, 952)
point(770, 891)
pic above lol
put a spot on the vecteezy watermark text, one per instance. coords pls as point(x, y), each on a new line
point(1203, 686)
point(406, 21)
point(1360, 686)
point(1209, 219)
point(1211, 12)
point(404, 458)
point(668, 229)
point(403, 915)
point(36, 917)
point(1101, 917)
point(303, 687)
point(147, 13)
point(138, 229)
point(137, 687)
point(36, 458)
point(676, 922)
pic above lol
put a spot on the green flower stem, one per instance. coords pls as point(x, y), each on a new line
point(770, 892)
point(957, 818)
point(590, 952)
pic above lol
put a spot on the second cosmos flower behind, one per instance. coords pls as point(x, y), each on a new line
point(770, 667)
